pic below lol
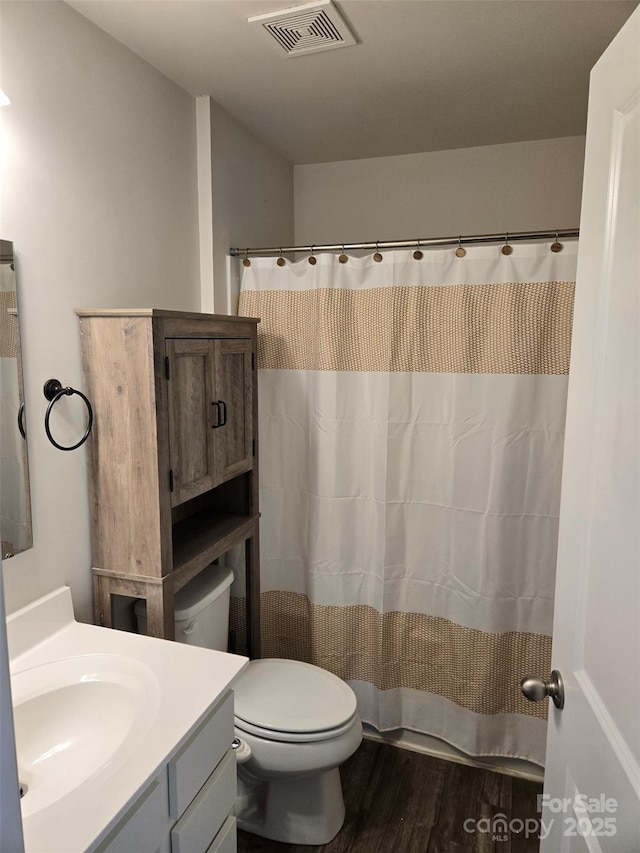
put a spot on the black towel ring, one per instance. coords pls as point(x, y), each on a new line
point(53, 390)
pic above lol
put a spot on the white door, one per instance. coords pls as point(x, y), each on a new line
point(592, 780)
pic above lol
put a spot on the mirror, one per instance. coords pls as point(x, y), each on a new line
point(15, 503)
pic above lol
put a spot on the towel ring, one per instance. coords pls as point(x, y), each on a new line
point(53, 391)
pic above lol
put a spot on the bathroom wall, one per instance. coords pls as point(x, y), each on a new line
point(519, 186)
point(251, 190)
point(99, 195)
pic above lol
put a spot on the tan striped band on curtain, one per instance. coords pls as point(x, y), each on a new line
point(487, 328)
point(477, 670)
point(238, 625)
point(8, 325)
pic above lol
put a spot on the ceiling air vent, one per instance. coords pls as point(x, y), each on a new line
point(307, 29)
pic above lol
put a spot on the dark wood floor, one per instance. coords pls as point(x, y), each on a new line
point(403, 802)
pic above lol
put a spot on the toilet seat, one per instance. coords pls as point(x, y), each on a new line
point(292, 737)
point(293, 702)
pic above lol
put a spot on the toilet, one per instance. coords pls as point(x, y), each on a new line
point(295, 724)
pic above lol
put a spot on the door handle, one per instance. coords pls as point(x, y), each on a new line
point(23, 431)
point(223, 406)
point(217, 423)
point(535, 688)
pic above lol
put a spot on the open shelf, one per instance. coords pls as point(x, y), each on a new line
point(202, 538)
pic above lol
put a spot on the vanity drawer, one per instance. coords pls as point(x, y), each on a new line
point(205, 816)
point(191, 768)
point(226, 841)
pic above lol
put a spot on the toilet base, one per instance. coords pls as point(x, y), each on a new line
point(307, 810)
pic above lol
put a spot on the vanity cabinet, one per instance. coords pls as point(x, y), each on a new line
point(173, 455)
point(188, 807)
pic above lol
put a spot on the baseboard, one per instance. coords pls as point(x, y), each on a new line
point(429, 745)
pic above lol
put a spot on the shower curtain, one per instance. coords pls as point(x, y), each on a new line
point(411, 436)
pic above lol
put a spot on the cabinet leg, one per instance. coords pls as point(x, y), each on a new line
point(160, 619)
point(252, 579)
point(103, 613)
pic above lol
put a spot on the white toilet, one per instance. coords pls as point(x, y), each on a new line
point(295, 724)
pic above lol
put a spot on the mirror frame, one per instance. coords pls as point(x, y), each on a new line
point(7, 257)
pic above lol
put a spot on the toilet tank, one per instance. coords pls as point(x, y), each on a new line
point(201, 609)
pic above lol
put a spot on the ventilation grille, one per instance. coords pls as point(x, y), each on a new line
point(307, 29)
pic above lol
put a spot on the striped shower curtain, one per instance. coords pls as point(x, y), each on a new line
point(411, 436)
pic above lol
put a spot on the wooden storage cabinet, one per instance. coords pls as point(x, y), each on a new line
point(173, 454)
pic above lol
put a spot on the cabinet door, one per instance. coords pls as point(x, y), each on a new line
point(233, 440)
point(191, 417)
point(146, 826)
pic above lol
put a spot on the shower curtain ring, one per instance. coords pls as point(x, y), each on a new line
point(507, 249)
point(557, 247)
point(460, 252)
point(417, 254)
point(377, 256)
point(312, 258)
point(246, 262)
point(281, 261)
point(343, 258)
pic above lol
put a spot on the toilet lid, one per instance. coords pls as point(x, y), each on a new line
point(290, 696)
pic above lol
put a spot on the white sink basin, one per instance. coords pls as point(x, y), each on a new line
point(75, 718)
point(98, 714)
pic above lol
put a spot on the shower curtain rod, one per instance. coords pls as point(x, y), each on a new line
point(507, 237)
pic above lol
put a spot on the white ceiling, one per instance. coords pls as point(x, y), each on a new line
point(426, 75)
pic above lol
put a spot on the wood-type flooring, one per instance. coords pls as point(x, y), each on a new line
point(399, 801)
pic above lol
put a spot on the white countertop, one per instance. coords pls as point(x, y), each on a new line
point(187, 682)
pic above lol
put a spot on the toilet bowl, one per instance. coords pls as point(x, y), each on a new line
point(296, 724)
